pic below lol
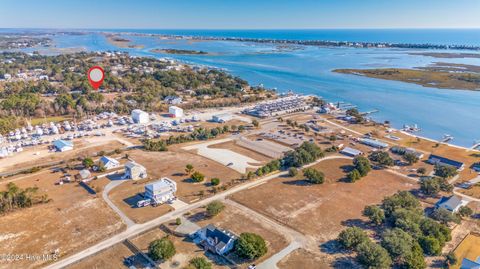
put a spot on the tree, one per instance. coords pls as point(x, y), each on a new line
point(161, 249)
point(88, 162)
point(430, 186)
point(433, 185)
point(178, 221)
point(422, 170)
point(451, 259)
point(445, 171)
point(382, 158)
point(430, 245)
point(255, 123)
point(465, 211)
point(189, 169)
point(373, 255)
point(250, 246)
point(351, 237)
point(152, 145)
point(215, 181)
point(375, 214)
point(197, 176)
point(410, 158)
point(314, 176)
point(292, 172)
point(199, 263)
point(403, 248)
point(214, 208)
point(354, 175)
point(444, 216)
point(362, 165)
point(401, 199)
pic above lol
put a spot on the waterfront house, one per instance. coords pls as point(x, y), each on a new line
point(452, 203)
point(351, 152)
point(216, 240)
point(438, 160)
point(109, 163)
point(62, 145)
point(135, 171)
point(140, 116)
point(469, 264)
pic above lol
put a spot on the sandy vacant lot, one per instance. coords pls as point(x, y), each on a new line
point(73, 220)
point(321, 211)
point(172, 164)
point(111, 258)
point(303, 259)
point(226, 157)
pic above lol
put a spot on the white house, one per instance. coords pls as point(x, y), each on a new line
point(135, 171)
point(175, 112)
point(452, 203)
point(62, 145)
point(140, 116)
point(161, 190)
point(217, 240)
point(109, 163)
point(221, 118)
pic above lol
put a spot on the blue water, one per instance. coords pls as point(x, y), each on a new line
point(308, 70)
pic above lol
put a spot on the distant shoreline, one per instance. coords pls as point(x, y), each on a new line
point(180, 51)
point(321, 43)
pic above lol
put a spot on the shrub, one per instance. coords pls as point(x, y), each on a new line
point(151, 145)
point(250, 246)
point(351, 237)
point(215, 181)
point(292, 172)
point(199, 263)
point(362, 165)
point(214, 208)
point(197, 176)
point(375, 214)
point(161, 249)
point(444, 216)
point(314, 176)
point(410, 158)
point(430, 245)
point(88, 162)
point(382, 158)
point(372, 255)
point(465, 211)
point(354, 175)
point(422, 170)
point(445, 171)
point(188, 169)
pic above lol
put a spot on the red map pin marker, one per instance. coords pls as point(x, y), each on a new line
point(96, 76)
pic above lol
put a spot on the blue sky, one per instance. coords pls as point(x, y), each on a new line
point(240, 14)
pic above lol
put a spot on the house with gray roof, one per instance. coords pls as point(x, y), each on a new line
point(109, 163)
point(217, 240)
point(452, 203)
